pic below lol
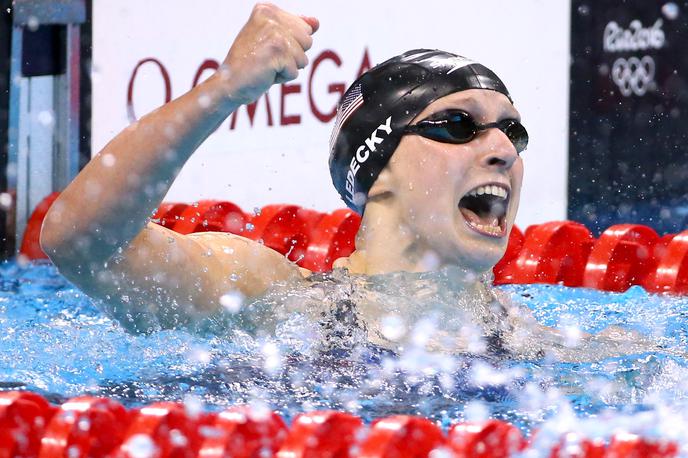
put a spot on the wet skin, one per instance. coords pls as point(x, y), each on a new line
point(413, 211)
point(412, 215)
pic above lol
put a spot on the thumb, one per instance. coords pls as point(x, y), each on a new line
point(312, 21)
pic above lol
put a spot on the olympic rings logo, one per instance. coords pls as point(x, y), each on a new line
point(633, 75)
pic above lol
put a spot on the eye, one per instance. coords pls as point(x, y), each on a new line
point(451, 115)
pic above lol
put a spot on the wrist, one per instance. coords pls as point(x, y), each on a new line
point(220, 92)
point(231, 87)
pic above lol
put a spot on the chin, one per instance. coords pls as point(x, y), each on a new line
point(480, 253)
point(481, 261)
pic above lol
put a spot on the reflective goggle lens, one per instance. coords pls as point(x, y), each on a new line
point(458, 127)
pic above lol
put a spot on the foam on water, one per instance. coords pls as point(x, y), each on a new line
point(311, 347)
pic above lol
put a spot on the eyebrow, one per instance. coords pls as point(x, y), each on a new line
point(474, 107)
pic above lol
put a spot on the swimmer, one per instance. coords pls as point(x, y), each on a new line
point(427, 146)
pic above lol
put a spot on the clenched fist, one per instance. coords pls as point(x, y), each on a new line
point(270, 48)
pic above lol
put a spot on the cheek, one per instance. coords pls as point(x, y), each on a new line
point(517, 173)
point(422, 177)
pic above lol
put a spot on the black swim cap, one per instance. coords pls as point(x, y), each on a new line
point(376, 108)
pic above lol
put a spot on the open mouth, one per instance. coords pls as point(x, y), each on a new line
point(484, 209)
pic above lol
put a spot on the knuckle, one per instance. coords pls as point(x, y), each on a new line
point(301, 61)
point(264, 10)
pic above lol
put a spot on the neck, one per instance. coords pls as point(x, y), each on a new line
point(385, 243)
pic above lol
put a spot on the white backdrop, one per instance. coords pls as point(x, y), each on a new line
point(282, 155)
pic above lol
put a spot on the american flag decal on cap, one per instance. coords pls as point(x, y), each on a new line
point(347, 107)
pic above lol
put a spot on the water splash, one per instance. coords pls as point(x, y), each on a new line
point(286, 351)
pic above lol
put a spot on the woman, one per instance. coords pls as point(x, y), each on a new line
point(427, 143)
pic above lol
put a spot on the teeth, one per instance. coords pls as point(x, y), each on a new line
point(489, 189)
point(495, 230)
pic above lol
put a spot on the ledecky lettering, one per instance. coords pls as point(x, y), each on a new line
point(363, 153)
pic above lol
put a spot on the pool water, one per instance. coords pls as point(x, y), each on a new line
point(56, 342)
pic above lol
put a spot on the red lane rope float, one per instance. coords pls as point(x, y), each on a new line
point(167, 214)
point(489, 439)
point(401, 436)
point(503, 272)
point(31, 246)
point(621, 257)
point(84, 427)
point(163, 430)
point(241, 432)
point(23, 418)
point(224, 217)
point(332, 238)
point(671, 274)
point(634, 446)
point(562, 252)
point(572, 445)
point(551, 253)
point(284, 228)
point(325, 434)
point(191, 219)
point(97, 427)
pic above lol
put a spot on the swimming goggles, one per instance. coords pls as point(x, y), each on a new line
point(456, 127)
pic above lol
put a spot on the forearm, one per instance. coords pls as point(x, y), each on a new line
point(110, 201)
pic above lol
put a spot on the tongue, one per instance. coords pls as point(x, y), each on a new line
point(473, 218)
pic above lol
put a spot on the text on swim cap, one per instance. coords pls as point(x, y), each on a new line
point(363, 153)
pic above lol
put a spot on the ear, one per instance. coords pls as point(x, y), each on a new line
point(382, 185)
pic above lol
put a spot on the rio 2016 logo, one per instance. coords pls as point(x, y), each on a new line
point(633, 75)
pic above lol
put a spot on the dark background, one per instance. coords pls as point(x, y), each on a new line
point(43, 54)
point(6, 249)
point(628, 155)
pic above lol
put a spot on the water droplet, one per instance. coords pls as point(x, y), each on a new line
point(360, 199)
point(273, 359)
point(232, 301)
point(32, 23)
point(23, 260)
point(199, 354)
point(6, 200)
point(84, 424)
point(204, 100)
point(393, 327)
point(671, 10)
point(476, 411)
point(178, 438)
point(140, 446)
point(430, 261)
point(108, 160)
point(46, 118)
point(193, 405)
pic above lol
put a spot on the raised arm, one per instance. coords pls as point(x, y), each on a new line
point(98, 232)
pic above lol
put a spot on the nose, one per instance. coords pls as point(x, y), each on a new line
point(497, 151)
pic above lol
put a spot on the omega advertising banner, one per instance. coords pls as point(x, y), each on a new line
point(629, 114)
point(276, 150)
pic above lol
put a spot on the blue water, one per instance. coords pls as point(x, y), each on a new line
point(54, 341)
